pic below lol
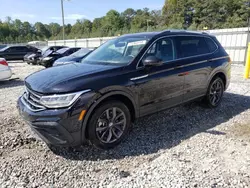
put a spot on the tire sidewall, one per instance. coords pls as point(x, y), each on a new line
point(93, 122)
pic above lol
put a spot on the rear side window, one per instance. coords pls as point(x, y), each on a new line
point(17, 49)
point(188, 46)
point(211, 44)
point(21, 49)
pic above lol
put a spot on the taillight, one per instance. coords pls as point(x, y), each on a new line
point(3, 62)
point(229, 60)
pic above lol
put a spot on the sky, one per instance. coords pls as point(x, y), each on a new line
point(47, 11)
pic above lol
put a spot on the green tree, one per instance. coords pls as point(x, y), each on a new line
point(42, 31)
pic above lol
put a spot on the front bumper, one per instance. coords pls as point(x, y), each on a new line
point(59, 127)
point(31, 61)
point(47, 63)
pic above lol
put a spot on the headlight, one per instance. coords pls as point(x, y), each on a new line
point(61, 100)
point(47, 58)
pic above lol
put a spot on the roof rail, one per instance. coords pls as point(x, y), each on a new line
point(179, 30)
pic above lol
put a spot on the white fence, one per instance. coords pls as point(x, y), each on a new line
point(86, 43)
point(233, 40)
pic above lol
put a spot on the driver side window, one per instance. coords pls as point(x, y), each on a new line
point(162, 49)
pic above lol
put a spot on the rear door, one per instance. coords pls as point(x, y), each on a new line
point(194, 53)
point(22, 51)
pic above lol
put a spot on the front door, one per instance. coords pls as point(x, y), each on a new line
point(159, 87)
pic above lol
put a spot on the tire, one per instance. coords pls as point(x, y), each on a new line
point(102, 124)
point(215, 93)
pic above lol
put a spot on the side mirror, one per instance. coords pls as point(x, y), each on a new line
point(152, 61)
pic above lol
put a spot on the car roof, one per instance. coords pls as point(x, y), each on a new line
point(166, 33)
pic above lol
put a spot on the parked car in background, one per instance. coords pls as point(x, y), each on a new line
point(50, 57)
point(16, 52)
point(5, 71)
point(29, 55)
point(131, 76)
point(73, 58)
point(34, 58)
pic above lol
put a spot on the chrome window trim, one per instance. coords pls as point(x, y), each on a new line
point(137, 66)
point(139, 77)
point(181, 66)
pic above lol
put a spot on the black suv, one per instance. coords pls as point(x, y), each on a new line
point(124, 79)
point(16, 52)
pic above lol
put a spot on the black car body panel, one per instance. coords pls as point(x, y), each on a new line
point(77, 76)
point(145, 90)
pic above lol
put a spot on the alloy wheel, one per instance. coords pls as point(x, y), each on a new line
point(215, 92)
point(111, 125)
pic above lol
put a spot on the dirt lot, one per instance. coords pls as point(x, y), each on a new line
point(188, 146)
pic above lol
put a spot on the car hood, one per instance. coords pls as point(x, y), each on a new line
point(67, 59)
point(64, 79)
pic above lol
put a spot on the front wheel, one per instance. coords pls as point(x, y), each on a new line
point(109, 125)
point(215, 92)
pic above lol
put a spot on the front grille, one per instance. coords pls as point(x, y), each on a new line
point(32, 101)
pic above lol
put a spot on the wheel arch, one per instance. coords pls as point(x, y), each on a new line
point(221, 74)
point(122, 96)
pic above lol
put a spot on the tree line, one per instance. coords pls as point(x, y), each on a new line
point(175, 14)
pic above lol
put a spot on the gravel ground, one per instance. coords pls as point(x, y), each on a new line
point(187, 146)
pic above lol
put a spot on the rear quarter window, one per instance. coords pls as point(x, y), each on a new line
point(188, 46)
point(211, 45)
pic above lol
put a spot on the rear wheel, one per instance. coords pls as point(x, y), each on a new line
point(109, 125)
point(215, 92)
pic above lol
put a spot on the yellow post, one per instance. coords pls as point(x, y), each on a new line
point(247, 66)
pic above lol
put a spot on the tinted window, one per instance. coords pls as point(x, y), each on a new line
point(18, 49)
point(188, 46)
point(163, 49)
point(212, 46)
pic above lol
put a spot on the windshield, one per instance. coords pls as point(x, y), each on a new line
point(2, 49)
point(47, 52)
point(44, 49)
point(61, 51)
point(80, 53)
point(118, 51)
